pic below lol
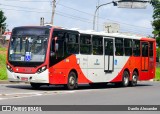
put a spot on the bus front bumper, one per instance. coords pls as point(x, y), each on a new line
point(35, 78)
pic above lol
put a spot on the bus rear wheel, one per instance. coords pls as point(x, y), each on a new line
point(134, 80)
point(72, 81)
point(125, 80)
point(35, 85)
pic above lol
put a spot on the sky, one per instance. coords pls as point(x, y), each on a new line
point(77, 14)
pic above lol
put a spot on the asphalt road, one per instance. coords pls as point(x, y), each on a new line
point(145, 93)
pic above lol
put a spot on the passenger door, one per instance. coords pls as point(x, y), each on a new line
point(144, 56)
point(108, 54)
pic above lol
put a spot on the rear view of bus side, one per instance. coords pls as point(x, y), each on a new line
point(47, 55)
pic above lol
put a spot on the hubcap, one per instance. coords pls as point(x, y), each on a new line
point(126, 80)
point(134, 78)
point(71, 80)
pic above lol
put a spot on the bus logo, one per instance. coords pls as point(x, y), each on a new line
point(115, 62)
point(97, 62)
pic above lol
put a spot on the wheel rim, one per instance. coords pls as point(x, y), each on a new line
point(71, 81)
point(126, 80)
point(134, 78)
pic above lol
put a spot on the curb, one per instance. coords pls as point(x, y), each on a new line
point(8, 82)
point(4, 82)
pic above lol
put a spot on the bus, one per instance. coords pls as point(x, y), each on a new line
point(47, 55)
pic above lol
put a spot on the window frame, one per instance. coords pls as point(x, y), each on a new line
point(130, 48)
point(135, 48)
point(85, 44)
point(72, 43)
point(99, 45)
point(122, 47)
point(151, 49)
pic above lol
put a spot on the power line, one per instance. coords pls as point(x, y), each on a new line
point(101, 17)
point(84, 13)
point(59, 12)
point(68, 16)
point(82, 20)
point(77, 18)
point(64, 15)
point(27, 1)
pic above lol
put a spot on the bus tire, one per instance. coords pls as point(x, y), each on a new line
point(35, 85)
point(72, 81)
point(125, 79)
point(134, 80)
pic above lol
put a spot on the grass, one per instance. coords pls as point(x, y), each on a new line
point(3, 74)
point(2, 49)
point(157, 78)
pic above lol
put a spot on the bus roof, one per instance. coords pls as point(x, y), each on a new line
point(117, 35)
point(33, 27)
point(92, 32)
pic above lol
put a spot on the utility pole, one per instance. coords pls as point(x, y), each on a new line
point(42, 21)
point(53, 10)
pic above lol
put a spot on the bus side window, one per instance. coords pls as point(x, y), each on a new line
point(85, 44)
point(128, 47)
point(145, 50)
point(97, 45)
point(58, 42)
point(151, 49)
point(119, 47)
point(136, 48)
point(72, 43)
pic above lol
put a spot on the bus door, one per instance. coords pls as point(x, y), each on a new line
point(144, 56)
point(151, 59)
point(108, 54)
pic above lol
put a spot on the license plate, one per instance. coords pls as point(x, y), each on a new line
point(24, 79)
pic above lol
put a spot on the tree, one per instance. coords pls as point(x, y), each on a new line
point(156, 24)
point(2, 22)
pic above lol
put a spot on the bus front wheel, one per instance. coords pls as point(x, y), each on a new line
point(72, 81)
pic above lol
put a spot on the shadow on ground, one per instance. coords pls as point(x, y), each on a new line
point(80, 87)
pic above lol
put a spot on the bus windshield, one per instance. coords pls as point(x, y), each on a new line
point(28, 46)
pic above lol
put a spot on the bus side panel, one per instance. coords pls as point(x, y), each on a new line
point(131, 64)
point(59, 72)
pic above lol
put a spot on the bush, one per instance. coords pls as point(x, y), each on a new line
point(157, 78)
point(3, 73)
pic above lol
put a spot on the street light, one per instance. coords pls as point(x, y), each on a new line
point(94, 18)
point(136, 4)
point(133, 4)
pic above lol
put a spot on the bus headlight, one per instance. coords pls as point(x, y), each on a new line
point(9, 68)
point(42, 69)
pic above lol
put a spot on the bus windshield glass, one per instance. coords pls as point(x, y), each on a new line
point(28, 45)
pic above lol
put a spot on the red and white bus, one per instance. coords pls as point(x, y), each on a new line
point(44, 55)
